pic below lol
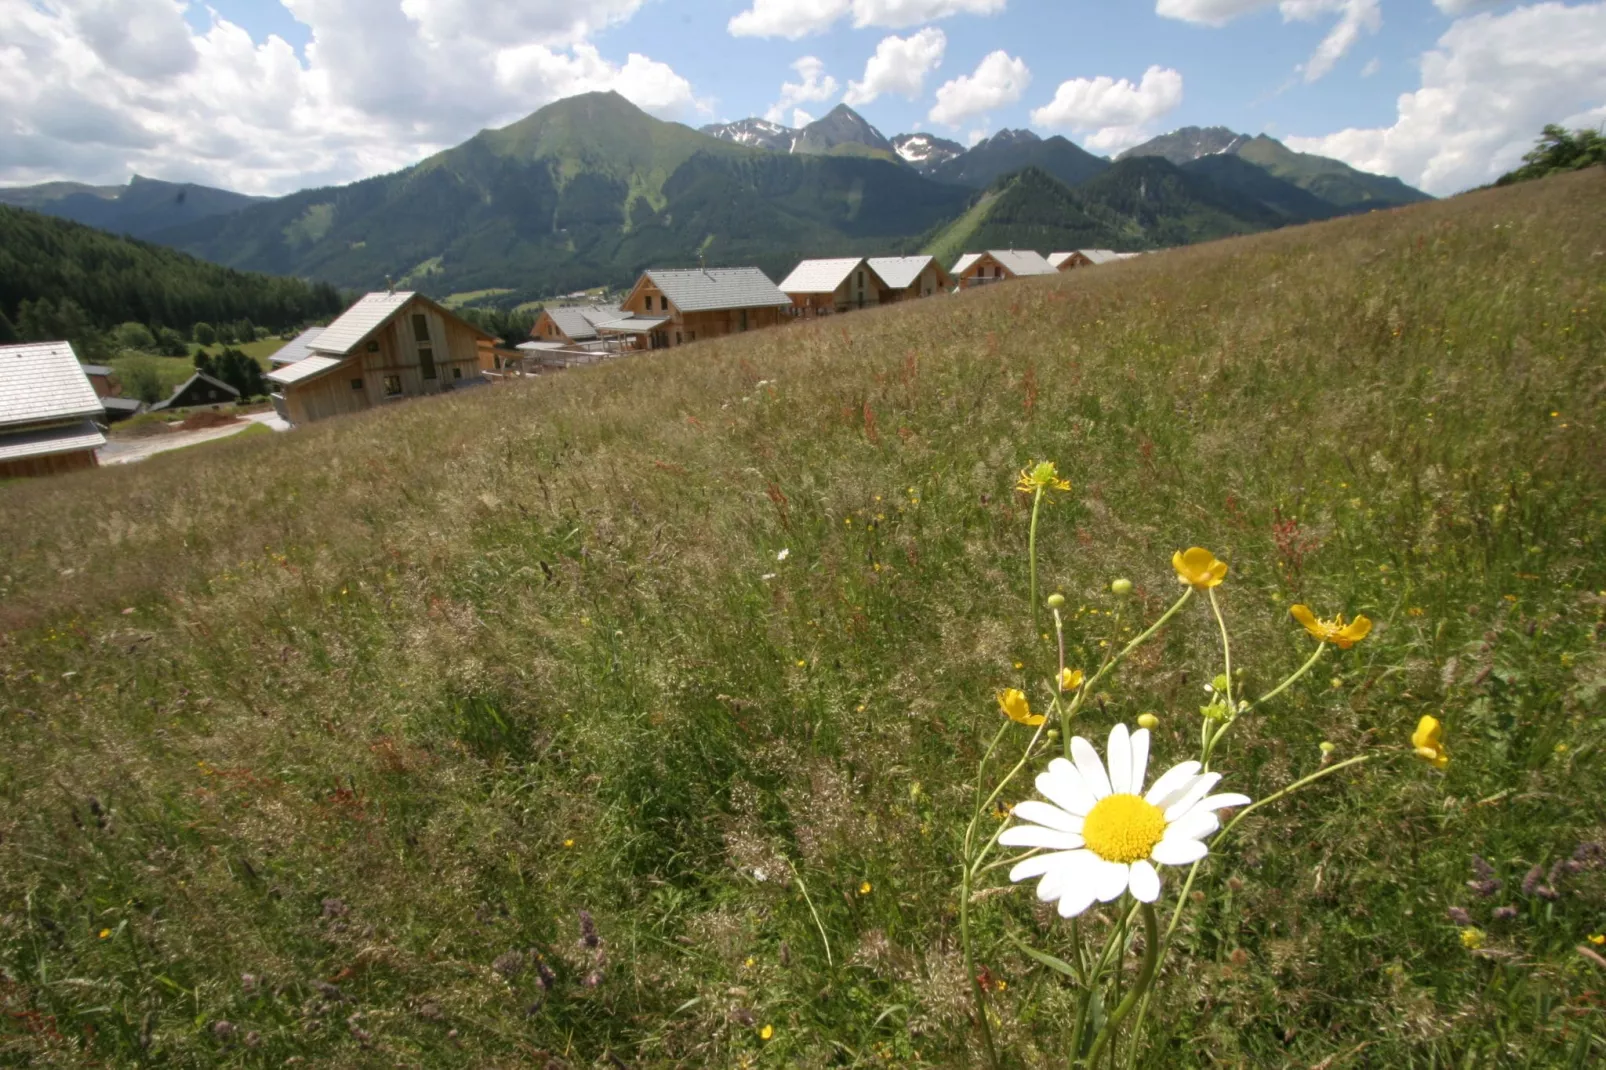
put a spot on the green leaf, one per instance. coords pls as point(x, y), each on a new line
point(1058, 965)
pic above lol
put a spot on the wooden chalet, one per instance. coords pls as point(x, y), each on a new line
point(297, 348)
point(905, 277)
point(386, 347)
point(572, 325)
point(996, 265)
point(1082, 258)
point(824, 287)
point(199, 389)
point(48, 411)
point(673, 307)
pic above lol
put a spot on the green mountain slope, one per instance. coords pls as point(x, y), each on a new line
point(141, 209)
point(1335, 182)
point(1152, 202)
point(588, 190)
point(1010, 151)
point(115, 280)
point(1030, 210)
point(1236, 174)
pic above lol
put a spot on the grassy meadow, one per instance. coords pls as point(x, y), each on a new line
point(629, 717)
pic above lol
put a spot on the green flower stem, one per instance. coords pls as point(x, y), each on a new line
point(1031, 553)
point(1138, 640)
point(1140, 987)
point(978, 997)
point(818, 924)
point(1209, 746)
point(1226, 647)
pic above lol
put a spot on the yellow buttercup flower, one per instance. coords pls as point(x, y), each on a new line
point(767, 1032)
point(1013, 702)
point(1070, 679)
point(1041, 477)
point(1471, 938)
point(1333, 631)
point(1426, 741)
point(1198, 568)
point(864, 889)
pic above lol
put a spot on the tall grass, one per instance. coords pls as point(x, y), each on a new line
point(318, 745)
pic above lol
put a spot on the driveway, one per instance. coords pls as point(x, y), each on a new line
point(118, 450)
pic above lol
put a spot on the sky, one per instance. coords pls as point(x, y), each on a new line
point(271, 96)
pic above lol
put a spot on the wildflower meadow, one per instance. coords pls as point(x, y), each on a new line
point(1191, 662)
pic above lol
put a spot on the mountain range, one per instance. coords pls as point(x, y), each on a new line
point(591, 190)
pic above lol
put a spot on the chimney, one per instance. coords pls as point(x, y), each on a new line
point(390, 287)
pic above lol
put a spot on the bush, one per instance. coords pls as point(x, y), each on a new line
point(141, 380)
point(203, 334)
point(134, 336)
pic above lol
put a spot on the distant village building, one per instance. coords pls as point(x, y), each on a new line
point(572, 325)
point(824, 287)
point(674, 307)
point(996, 265)
point(104, 381)
point(905, 277)
point(48, 411)
point(386, 347)
point(199, 389)
point(101, 379)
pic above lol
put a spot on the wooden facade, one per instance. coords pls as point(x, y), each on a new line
point(861, 289)
point(420, 350)
point(49, 464)
point(931, 281)
point(982, 271)
point(682, 328)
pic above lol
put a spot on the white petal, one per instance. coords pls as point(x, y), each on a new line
point(1067, 876)
point(1041, 813)
point(1178, 852)
point(1223, 801)
point(1076, 900)
point(1194, 825)
point(1171, 779)
point(1038, 836)
point(1140, 760)
point(1110, 880)
point(1062, 785)
point(1118, 753)
point(1185, 802)
point(1088, 764)
point(1145, 882)
point(1037, 865)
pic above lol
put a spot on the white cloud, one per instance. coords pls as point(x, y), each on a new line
point(999, 79)
point(793, 19)
point(1466, 7)
point(800, 118)
point(900, 65)
point(1096, 103)
point(1373, 65)
point(1487, 87)
point(814, 85)
point(1354, 18)
point(96, 89)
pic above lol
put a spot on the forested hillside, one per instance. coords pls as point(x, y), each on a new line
point(65, 280)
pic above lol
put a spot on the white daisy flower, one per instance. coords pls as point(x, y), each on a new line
point(784, 554)
point(1103, 836)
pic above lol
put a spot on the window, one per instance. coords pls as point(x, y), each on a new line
point(356, 384)
point(861, 280)
point(426, 361)
point(373, 347)
point(420, 327)
point(677, 338)
point(392, 386)
point(742, 323)
point(457, 373)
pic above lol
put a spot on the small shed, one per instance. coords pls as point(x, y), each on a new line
point(48, 411)
point(199, 389)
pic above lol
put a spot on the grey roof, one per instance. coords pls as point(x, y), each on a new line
point(297, 348)
point(97, 369)
point(579, 322)
point(304, 369)
point(359, 321)
point(964, 262)
point(41, 441)
point(819, 276)
point(1101, 256)
point(1014, 261)
point(705, 290)
point(900, 272)
point(44, 381)
point(636, 324)
point(122, 404)
point(185, 385)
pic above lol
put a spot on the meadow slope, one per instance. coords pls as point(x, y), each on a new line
point(318, 745)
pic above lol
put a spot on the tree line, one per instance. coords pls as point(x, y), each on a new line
point(1557, 150)
point(60, 279)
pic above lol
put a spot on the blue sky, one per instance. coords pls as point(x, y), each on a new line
point(268, 96)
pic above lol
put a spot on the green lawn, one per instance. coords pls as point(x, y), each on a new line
point(458, 300)
point(260, 349)
point(631, 716)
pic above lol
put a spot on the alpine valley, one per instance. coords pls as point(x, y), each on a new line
point(590, 190)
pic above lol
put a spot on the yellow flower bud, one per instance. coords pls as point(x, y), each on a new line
point(1327, 748)
point(1121, 588)
point(1220, 682)
point(1056, 600)
point(1147, 720)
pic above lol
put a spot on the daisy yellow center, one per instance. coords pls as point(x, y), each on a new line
point(1123, 828)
